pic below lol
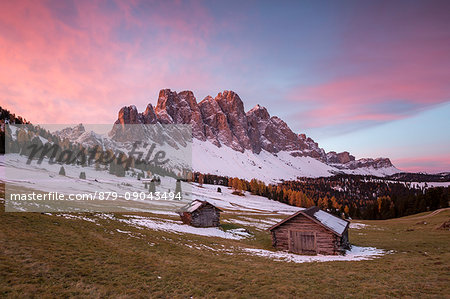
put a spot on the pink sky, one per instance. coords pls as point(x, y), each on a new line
point(326, 69)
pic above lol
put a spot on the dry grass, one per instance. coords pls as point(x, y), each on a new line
point(50, 256)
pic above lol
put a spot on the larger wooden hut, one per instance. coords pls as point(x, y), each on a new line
point(200, 213)
point(311, 231)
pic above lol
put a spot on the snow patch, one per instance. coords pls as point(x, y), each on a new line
point(177, 227)
point(355, 225)
point(356, 253)
point(74, 217)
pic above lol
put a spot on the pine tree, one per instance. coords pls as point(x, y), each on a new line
point(235, 184)
point(62, 171)
point(112, 167)
point(152, 187)
point(120, 170)
point(178, 188)
point(254, 187)
point(82, 175)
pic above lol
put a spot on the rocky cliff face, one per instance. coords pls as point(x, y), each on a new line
point(369, 163)
point(223, 121)
point(71, 133)
point(339, 158)
point(79, 134)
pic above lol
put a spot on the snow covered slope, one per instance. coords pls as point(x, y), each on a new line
point(207, 157)
point(265, 166)
point(21, 177)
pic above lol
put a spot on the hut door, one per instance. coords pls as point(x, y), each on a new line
point(302, 242)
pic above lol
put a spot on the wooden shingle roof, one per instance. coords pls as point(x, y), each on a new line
point(332, 223)
point(195, 205)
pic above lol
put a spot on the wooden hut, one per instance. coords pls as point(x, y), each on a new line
point(311, 231)
point(200, 213)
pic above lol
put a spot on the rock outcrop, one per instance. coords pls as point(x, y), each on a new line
point(369, 163)
point(223, 121)
point(339, 158)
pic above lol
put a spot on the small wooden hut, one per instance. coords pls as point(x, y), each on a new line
point(200, 213)
point(311, 231)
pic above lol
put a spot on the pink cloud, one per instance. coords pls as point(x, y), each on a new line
point(55, 71)
point(381, 58)
point(355, 97)
point(430, 164)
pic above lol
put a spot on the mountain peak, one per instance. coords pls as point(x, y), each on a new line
point(259, 110)
point(72, 133)
point(80, 127)
point(223, 122)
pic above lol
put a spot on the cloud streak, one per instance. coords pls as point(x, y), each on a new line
point(431, 164)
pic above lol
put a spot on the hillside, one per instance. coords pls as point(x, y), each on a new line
point(146, 249)
point(96, 256)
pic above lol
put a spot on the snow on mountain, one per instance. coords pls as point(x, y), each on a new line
point(229, 141)
point(268, 167)
point(265, 166)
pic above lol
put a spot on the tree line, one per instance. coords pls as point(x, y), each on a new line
point(360, 197)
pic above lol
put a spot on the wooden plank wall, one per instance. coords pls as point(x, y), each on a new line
point(327, 242)
point(206, 217)
point(186, 218)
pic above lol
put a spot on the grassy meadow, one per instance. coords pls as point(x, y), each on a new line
point(53, 257)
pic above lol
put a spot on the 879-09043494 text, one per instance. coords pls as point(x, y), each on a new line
point(98, 195)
